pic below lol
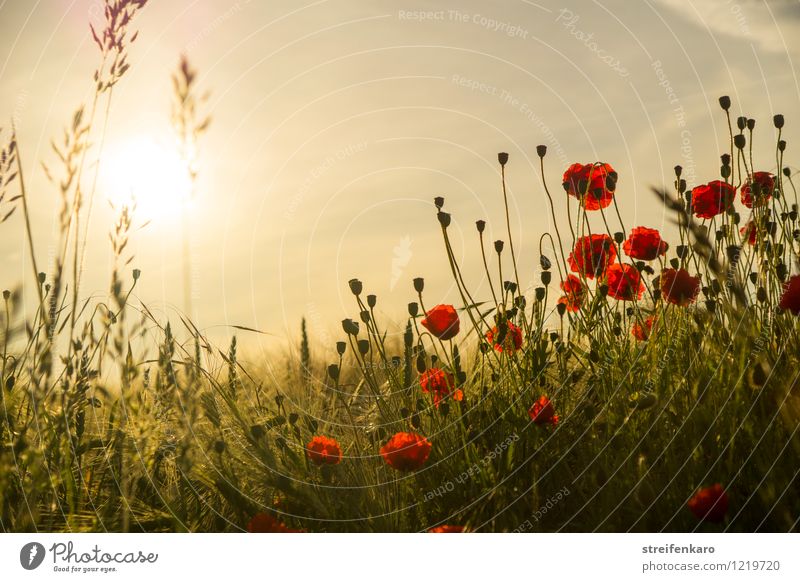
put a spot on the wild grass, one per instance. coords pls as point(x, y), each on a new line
point(116, 420)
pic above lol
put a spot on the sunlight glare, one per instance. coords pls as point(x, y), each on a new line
point(149, 174)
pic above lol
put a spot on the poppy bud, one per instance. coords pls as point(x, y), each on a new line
point(413, 309)
point(520, 301)
point(350, 327)
point(754, 277)
point(42, 278)
point(439, 202)
point(553, 336)
point(444, 219)
point(782, 145)
point(333, 372)
point(739, 140)
point(720, 234)
point(735, 217)
point(711, 305)
point(498, 246)
point(481, 225)
point(787, 172)
point(678, 170)
point(674, 263)
point(733, 252)
point(6, 294)
point(778, 120)
point(510, 287)
point(364, 316)
point(539, 293)
point(725, 102)
point(546, 277)
point(761, 294)
point(725, 172)
point(682, 251)
point(136, 274)
point(421, 367)
point(341, 347)
point(682, 185)
point(541, 150)
point(602, 290)
point(355, 286)
point(619, 237)
point(371, 300)
point(561, 308)
point(416, 422)
point(363, 347)
point(726, 159)
point(616, 330)
point(751, 123)
point(419, 284)
point(544, 262)
point(780, 270)
point(502, 157)
point(741, 122)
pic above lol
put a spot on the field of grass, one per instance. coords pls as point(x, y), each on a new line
point(644, 385)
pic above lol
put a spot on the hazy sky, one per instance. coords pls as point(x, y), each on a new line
point(336, 123)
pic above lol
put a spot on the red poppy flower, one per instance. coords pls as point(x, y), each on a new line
point(265, 523)
point(790, 300)
point(710, 503)
point(641, 330)
point(713, 198)
point(758, 191)
point(592, 255)
point(749, 232)
point(574, 292)
point(624, 282)
point(447, 529)
point(542, 412)
point(679, 287)
point(592, 184)
point(442, 321)
point(406, 451)
point(644, 244)
point(439, 383)
point(322, 450)
point(510, 343)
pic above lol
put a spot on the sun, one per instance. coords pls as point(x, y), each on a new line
point(149, 174)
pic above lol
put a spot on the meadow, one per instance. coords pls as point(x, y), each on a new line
point(643, 385)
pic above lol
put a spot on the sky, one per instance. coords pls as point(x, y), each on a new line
point(335, 124)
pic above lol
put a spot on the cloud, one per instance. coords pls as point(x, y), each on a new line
point(772, 27)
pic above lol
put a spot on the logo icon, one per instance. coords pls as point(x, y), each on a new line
point(31, 555)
